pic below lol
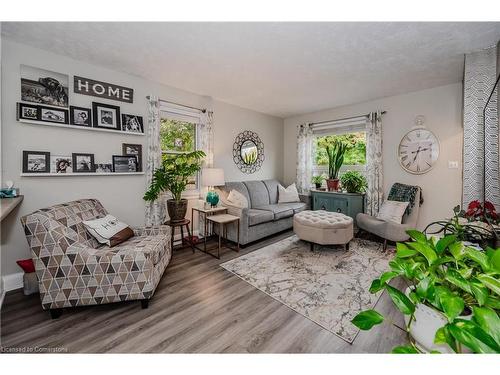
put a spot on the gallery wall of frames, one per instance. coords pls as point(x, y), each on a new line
point(45, 101)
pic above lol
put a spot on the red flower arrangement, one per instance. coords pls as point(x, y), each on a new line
point(476, 211)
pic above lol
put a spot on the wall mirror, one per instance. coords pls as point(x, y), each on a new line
point(248, 152)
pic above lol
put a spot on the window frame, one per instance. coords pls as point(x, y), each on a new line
point(178, 113)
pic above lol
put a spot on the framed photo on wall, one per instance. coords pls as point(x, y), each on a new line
point(106, 116)
point(124, 163)
point(56, 115)
point(83, 163)
point(44, 87)
point(79, 116)
point(27, 111)
point(132, 123)
point(36, 162)
point(133, 149)
point(61, 164)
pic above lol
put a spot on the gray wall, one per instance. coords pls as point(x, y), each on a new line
point(442, 108)
point(121, 195)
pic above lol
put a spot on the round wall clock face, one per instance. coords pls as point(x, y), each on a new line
point(418, 151)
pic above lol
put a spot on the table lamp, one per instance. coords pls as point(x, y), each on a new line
point(212, 177)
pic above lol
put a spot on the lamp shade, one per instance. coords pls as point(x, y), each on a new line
point(212, 177)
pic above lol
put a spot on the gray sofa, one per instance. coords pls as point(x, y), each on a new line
point(264, 216)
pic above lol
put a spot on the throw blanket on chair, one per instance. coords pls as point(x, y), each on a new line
point(405, 193)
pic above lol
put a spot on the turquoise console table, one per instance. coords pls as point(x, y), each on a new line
point(349, 204)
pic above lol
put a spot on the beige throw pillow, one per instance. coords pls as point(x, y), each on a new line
point(108, 230)
point(392, 211)
point(237, 199)
point(288, 195)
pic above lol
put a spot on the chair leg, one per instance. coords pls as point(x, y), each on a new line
point(55, 313)
point(346, 246)
point(312, 246)
point(385, 244)
point(144, 303)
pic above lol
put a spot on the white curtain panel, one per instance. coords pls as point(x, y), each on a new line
point(374, 171)
point(206, 138)
point(155, 211)
point(304, 158)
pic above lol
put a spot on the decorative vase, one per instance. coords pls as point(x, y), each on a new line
point(177, 209)
point(332, 184)
point(427, 320)
point(213, 198)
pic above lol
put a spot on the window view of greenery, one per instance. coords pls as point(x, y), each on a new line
point(178, 136)
point(356, 148)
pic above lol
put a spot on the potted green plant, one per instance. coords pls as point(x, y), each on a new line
point(173, 175)
point(452, 302)
point(335, 152)
point(318, 181)
point(353, 182)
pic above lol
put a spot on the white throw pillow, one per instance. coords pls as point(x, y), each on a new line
point(237, 199)
point(392, 211)
point(288, 195)
point(108, 230)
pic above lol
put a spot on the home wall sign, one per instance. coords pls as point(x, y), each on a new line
point(87, 86)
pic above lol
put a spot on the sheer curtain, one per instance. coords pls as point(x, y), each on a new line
point(206, 137)
point(374, 171)
point(304, 158)
point(155, 211)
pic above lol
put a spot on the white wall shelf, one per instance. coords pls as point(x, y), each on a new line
point(81, 174)
point(67, 126)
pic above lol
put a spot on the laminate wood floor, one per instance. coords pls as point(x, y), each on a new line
point(198, 307)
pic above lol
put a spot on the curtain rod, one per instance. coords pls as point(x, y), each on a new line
point(342, 119)
point(202, 110)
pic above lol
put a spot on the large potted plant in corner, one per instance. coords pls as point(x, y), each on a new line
point(173, 176)
point(452, 301)
point(335, 152)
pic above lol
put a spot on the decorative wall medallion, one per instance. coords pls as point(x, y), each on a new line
point(248, 152)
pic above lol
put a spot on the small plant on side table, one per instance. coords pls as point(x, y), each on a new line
point(318, 180)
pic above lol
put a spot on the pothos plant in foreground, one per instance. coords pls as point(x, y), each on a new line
point(452, 278)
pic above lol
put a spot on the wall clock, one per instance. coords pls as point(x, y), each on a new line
point(418, 151)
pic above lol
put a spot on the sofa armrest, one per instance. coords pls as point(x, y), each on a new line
point(242, 213)
point(153, 231)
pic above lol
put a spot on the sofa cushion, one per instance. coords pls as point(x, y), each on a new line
point(256, 216)
point(259, 195)
point(238, 186)
point(272, 189)
point(280, 211)
point(296, 206)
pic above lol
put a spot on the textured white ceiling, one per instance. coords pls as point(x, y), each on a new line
point(281, 69)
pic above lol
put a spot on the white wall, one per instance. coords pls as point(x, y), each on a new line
point(121, 195)
point(442, 108)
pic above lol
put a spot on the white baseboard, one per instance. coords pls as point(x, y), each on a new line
point(13, 281)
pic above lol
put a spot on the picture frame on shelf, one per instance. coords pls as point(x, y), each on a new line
point(53, 115)
point(133, 149)
point(83, 163)
point(27, 112)
point(106, 116)
point(125, 163)
point(80, 116)
point(61, 164)
point(36, 162)
point(44, 86)
point(132, 123)
point(103, 168)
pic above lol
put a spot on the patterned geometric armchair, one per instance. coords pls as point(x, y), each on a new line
point(74, 269)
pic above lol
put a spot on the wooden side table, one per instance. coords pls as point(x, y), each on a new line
point(181, 224)
point(223, 220)
point(205, 213)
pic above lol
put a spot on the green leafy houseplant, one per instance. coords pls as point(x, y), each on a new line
point(173, 175)
point(453, 280)
point(353, 182)
point(335, 152)
point(317, 180)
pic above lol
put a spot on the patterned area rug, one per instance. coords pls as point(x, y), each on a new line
point(328, 286)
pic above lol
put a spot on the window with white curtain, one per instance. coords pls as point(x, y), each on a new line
point(179, 134)
point(350, 131)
